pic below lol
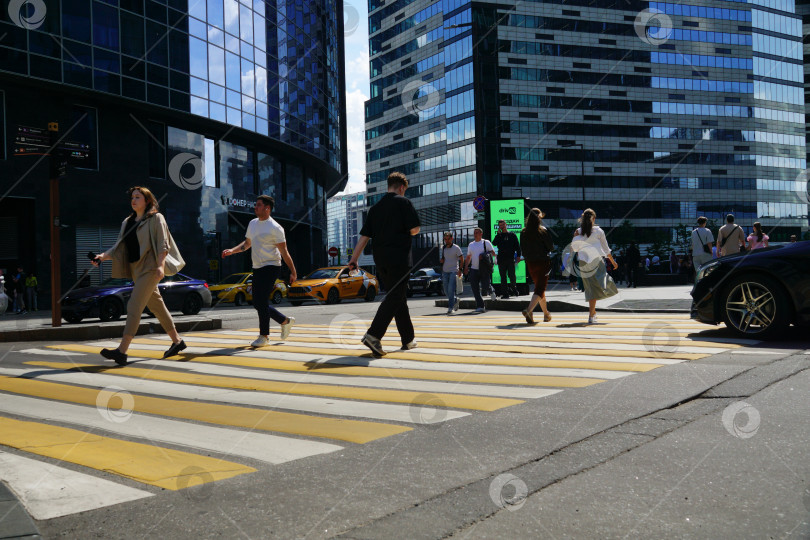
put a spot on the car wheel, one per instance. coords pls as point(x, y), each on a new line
point(333, 296)
point(110, 310)
point(371, 293)
point(296, 302)
point(192, 304)
point(239, 300)
point(277, 297)
point(72, 318)
point(755, 307)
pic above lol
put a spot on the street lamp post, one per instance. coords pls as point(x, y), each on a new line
point(581, 164)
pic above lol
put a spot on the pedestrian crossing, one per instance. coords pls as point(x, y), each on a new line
point(222, 409)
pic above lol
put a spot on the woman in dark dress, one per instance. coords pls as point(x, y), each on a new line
point(536, 244)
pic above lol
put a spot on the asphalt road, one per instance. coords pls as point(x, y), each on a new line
point(657, 427)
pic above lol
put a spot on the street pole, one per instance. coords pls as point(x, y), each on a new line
point(56, 170)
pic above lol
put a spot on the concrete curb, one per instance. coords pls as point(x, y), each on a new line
point(554, 305)
point(14, 519)
point(75, 332)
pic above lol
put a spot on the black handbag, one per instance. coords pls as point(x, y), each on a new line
point(485, 261)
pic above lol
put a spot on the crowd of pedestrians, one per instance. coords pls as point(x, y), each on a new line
point(18, 292)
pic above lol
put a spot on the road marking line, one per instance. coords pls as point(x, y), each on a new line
point(144, 463)
point(457, 349)
point(400, 384)
point(263, 447)
point(389, 368)
point(48, 491)
point(661, 338)
point(356, 431)
point(169, 383)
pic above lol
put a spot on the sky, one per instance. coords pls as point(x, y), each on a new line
point(355, 16)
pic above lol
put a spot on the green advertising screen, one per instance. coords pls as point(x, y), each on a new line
point(511, 211)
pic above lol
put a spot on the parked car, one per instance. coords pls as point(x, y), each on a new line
point(757, 294)
point(238, 288)
point(333, 284)
point(108, 301)
point(425, 281)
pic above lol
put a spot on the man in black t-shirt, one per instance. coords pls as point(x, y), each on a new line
point(390, 224)
point(508, 255)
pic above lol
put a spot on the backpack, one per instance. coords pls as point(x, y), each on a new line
point(485, 261)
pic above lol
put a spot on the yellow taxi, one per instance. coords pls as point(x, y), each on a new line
point(333, 284)
point(238, 288)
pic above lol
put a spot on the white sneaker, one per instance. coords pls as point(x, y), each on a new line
point(455, 305)
point(261, 341)
point(592, 320)
point(409, 346)
point(286, 327)
point(492, 296)
point(480, 310)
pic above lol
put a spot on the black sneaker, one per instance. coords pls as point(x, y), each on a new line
point(374, 344)
point(174, 349)
point(114, 354)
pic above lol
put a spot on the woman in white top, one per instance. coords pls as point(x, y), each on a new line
point(591, 245)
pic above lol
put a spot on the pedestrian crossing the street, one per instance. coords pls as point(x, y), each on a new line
point(222, 409)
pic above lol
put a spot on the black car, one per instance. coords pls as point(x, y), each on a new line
point(425, 281)
point(757, 294)
point(108, 301)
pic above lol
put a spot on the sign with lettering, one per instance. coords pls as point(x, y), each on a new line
point(511, 211)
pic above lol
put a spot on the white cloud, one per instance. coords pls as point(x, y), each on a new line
point(355, 134)
point(357, 92)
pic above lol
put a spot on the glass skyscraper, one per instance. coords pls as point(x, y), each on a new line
point(652, 112)
point(206, 102)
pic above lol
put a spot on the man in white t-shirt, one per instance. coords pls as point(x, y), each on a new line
point(479, 279)
point(702, 242)
point(452, 261)
point(265, 238)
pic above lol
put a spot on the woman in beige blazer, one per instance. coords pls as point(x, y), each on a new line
point(139, 254)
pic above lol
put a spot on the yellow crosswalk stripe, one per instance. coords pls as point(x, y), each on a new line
point(670, 341)
point(427, 357)
point(457, 401)
point(349, 370)
point(145, 463)
point(356, 431)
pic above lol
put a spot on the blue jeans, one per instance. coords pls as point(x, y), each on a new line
point(449, 283)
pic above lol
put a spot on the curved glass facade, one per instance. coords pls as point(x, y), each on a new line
point(208, 103)
point(269, 67)
point(683, 109)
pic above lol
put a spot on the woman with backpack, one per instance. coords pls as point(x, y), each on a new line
point(591, 245)
point(536, 244)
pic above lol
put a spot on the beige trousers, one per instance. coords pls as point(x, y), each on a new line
point(145, 293)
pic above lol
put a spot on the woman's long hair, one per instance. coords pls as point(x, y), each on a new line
point(758, 231)
point(535, 219)
point(586, 222)
point(152, 207)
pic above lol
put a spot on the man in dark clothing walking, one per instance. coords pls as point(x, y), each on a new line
point(390, 224)
point(508, 255)
point(633, 258)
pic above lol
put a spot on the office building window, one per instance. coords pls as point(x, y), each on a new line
point(84, 129)
point(157, 149)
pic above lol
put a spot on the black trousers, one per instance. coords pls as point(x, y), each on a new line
point(632, 274)
point(507, 269)
point(264, 279)
point(395, 304)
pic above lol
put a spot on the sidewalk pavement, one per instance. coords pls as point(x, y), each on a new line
point(14, 519)
point(666, 299)
point(36, 326)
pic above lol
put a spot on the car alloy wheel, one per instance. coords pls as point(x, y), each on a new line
point(239, 300)
point(755, 307)
point(277, 296)
point(333, 296)
point(110, 310)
